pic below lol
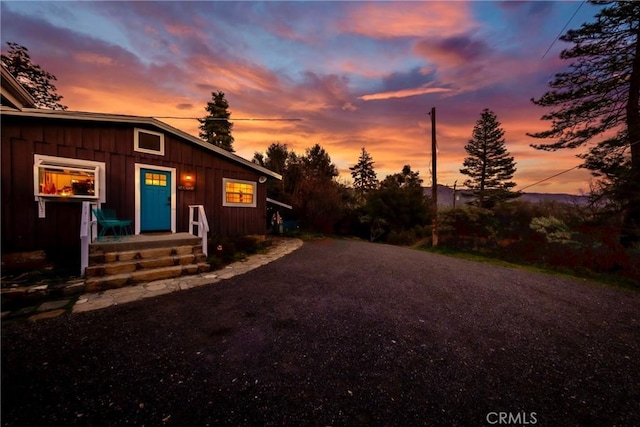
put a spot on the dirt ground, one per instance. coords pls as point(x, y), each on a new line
point(340, 332)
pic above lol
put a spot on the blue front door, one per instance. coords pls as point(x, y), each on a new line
point(155, 200)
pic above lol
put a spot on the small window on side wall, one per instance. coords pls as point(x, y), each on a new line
point(238, 193)
point(146, 141)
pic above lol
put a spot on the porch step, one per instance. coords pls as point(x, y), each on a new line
point(124, 256)
point(120, 267)
point(119, 264)
point(134, 243)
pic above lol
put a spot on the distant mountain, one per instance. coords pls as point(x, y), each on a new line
point(560, 197)
point(445, 197)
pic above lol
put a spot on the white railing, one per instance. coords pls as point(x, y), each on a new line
point(88, 231)
point(198, 218)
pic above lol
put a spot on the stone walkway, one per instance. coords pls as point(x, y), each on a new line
point(98, 300)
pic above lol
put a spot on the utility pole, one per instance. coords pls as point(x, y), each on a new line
point(454, 193)
point(434, 180)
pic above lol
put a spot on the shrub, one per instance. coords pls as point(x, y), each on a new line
point(403, 238)
point(553, 229)
point(246, 244)
point(225, 250)
point(468, 228)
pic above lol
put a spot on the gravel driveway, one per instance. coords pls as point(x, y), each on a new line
point(341, 333)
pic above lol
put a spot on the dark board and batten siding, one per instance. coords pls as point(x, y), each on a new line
point(112, 144)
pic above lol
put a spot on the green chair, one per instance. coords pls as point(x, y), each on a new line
point(107, 220)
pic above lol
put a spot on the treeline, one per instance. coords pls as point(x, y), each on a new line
point(321, 203)
point(582, 238)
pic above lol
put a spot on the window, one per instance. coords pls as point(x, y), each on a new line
point(156, 179)
point(67, 182)
point(59, 177)
point(238, 193)
point(146, 141)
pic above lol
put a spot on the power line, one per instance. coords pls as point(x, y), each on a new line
point(563, 172)
point(548, 178)
point(563, 28)
point(229, 119)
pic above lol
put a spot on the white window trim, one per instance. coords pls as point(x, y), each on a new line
point(40, 160)
point(239, 205)
point(136, 142)
point(137, 197)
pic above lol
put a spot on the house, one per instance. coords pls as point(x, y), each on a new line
point(143, 168)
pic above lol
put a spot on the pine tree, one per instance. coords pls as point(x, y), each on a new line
point(488, 165)
point(32, 77)
point(216, 127)
point(364, 176)
point(601, 93)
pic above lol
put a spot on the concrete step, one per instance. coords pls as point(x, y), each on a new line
point(143, 258)
point(138, 242)
point(98, 258)
point(136, 264)
point(97, 284)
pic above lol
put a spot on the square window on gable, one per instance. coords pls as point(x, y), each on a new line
point(146, 141)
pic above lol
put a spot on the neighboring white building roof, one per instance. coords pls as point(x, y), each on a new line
point(275, 202)
point(120, 118)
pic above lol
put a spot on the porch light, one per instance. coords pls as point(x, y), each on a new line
point(188, 178)
point(187, 181)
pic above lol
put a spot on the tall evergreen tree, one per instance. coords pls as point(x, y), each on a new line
point(488, 165)
point(601, 93)
point(216, 128)
point(364, 176)
point(33, 78)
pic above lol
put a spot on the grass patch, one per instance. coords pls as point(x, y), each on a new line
point(564, 272)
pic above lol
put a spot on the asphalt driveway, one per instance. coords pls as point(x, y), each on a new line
point(339, 332)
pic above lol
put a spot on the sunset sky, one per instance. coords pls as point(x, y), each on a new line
point(357, 74)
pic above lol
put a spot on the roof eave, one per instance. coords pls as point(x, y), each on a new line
point(117, 118)
point(17, 92)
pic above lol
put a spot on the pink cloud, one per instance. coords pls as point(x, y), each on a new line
point(93, 58)
point(236, 77)
point(387, 20)
point(151, 30)
point(182, 30)
point(404, 93)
